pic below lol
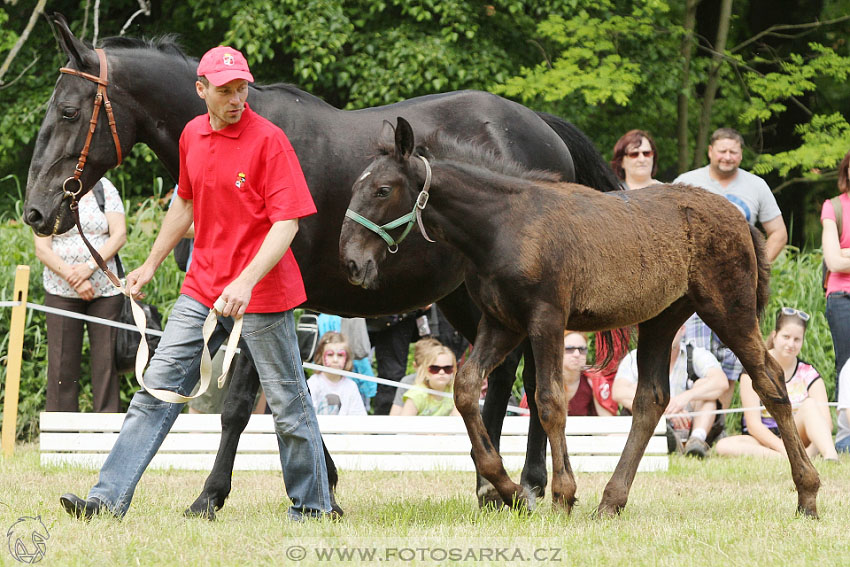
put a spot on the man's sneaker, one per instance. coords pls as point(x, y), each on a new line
point(696, 447)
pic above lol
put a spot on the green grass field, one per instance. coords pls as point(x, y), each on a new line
point(717, 512)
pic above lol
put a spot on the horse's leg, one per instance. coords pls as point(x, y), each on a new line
point(493, 343)
point(769, 383)
point(238, 404)
point(653, 394)
point(235, 413)
point(546, 336)
point(534, 474)
point(462, 313)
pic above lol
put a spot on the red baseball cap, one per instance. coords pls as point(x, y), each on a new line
point(223, 64)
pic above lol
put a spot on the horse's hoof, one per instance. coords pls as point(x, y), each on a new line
point(808, 512)
point(336, 511)
point(200, 509)
point(489, 498)
point(524, 501)
point(564, 504)
point(606, 511)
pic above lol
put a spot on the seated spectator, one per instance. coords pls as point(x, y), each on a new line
point(806, 391)
point(585, 397)
point(696, 381)
point(355, 331)
point(842, 437)
point(420, 348)
point(334, 394)
point(436, 372)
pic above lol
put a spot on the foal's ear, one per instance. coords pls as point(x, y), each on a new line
point(79, 53)
point(403, 139)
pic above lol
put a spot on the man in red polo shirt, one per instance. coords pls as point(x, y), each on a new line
point(241, 184)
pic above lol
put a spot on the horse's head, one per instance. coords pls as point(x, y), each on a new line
point(379, 215)
point(63, 136)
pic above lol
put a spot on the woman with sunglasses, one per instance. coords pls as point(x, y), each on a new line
point(634, 160)
point(806, 391)
point(835, 241)
point(436, 372)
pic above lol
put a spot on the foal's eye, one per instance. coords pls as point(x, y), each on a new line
point(70, 113)
point(383, 191)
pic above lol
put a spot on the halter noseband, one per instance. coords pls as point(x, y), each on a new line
point(413, 216)
point(100, 99)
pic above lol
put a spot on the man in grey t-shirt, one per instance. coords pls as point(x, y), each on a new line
point(751, 194)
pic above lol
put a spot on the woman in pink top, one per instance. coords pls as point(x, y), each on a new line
point(836, 254)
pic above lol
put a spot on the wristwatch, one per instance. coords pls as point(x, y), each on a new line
point(92, 266)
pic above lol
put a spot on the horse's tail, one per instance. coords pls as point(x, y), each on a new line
point(763, 284)
point(591, 168)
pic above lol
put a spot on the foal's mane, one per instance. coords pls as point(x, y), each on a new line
point(440, 146)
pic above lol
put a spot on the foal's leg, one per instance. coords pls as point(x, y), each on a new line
point(534, 474)
point(493, 343)
point(547, 343)
point(653, 394)
point(769, 383)
point(464, 316)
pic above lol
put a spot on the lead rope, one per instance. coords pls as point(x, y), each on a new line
point(139, 318)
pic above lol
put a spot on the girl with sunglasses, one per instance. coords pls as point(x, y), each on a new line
point(436, 372)
point(334, 394)
point(635, 160)
point(806, 391)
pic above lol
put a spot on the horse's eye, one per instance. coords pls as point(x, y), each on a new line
point(383, 191)
point(70, 113)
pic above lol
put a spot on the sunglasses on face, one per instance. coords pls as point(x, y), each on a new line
point(579, 349)
point(435, 369)
point(338, 353)
point(635, 153)
point(790, 311)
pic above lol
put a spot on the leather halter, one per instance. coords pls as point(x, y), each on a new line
point(100, 99)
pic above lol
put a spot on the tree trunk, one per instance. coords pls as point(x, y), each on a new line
point(687, 50)
point(713, 80)
point(39, 8)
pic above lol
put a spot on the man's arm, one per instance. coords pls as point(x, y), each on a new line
point(237, 294)
point(177, 220)
point(777, 237)
point(623, 391)
point(707, 388)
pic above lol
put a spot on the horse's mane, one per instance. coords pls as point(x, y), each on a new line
point(440, 146)
point(167, 43)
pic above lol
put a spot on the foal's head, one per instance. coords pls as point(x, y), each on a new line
point(381, 208)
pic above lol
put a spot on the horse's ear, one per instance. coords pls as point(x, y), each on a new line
point(403, 138)
point(75, 49)
point(387, 133)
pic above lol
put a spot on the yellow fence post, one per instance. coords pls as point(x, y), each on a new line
point(14, 356)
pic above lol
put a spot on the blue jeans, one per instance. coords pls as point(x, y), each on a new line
point(269, 340)
point(838, 317)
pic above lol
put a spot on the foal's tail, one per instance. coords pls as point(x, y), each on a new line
point(591, 168)
point(763, 285)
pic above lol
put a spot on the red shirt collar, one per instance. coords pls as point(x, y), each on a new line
point(232, 130)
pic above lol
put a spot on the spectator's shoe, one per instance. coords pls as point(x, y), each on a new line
point(696, 447)
point(81, 509)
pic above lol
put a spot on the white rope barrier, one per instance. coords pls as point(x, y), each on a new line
point(316, 367)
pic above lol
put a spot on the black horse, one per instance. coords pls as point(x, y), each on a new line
point(679, 249)
point(152, 93)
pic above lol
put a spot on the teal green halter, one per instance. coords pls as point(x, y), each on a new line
point(413, 216)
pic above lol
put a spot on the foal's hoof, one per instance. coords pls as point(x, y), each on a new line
point(336, 511)
point(489, 498)
point(201, 509)
point(524, 501)
point(606, 511)
point(808, 512)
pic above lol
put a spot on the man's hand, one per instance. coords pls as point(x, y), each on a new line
point(236, 297)
point(138, 278)
point(679, 404)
